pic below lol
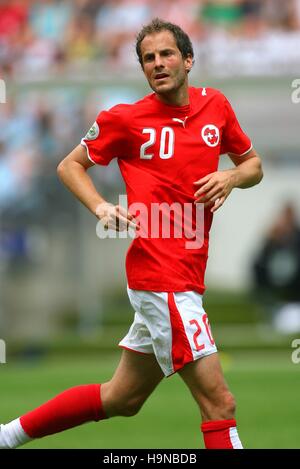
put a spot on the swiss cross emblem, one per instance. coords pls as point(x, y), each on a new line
point(211, 135)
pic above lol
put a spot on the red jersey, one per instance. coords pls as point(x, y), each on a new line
point(162, 150)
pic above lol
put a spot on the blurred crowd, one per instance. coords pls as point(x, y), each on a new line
point(276, 271)
point(233, 36)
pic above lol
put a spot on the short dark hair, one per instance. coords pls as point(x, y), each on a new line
point(157, 25)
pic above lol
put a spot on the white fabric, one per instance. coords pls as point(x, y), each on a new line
point(12, 435)
point(151, 330)
point(234, 438)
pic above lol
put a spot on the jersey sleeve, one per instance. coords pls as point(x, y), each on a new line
point(234, 139)
point(106, 139)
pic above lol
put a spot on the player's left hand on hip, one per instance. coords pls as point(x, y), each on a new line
point(214, 189)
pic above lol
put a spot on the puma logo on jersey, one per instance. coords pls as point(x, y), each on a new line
point(175, 119)
point(204, 93)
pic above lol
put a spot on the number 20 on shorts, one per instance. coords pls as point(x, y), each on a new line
point(194, 322)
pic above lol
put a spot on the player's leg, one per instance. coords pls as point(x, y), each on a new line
point(204, 377)
point(194, 356)
point(134, 380)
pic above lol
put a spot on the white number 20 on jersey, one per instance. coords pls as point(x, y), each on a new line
point(166, 147)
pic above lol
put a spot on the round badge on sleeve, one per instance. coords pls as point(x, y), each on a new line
point(211, 135)
point(93, 132)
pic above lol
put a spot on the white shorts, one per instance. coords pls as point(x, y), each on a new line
point(173, 326)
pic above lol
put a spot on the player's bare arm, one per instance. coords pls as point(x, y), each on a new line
point(72, 171)
point(215, 187)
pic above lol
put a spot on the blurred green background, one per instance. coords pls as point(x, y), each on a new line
point(63, 303)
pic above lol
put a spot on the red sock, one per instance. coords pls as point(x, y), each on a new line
point(68, 409)
point(221, 434)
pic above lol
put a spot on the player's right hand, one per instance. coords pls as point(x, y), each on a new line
point(115, 217)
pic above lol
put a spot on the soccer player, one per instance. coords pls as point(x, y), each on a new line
point(168, 146)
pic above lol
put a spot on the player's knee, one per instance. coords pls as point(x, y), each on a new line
point(228, 403)
point(217, 406)
point(120, 403)
point(131, 407)
point(125, 406)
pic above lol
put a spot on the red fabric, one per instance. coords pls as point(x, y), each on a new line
point(181, 349)
point(69, 409)
point(216, 434)
point(12, 18)
point(160, 159)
